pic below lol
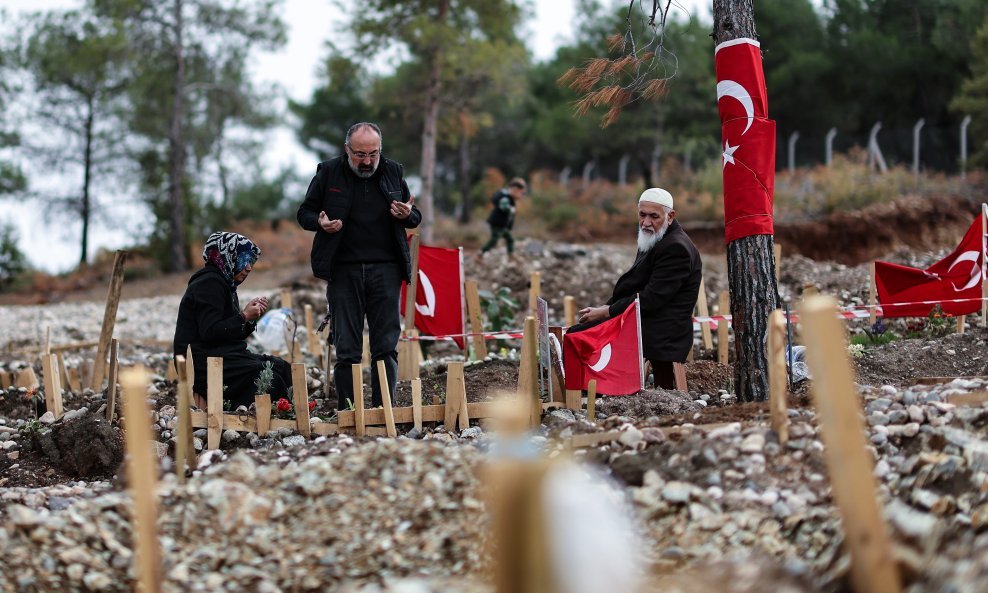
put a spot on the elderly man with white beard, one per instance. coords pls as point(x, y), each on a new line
point(666, 277)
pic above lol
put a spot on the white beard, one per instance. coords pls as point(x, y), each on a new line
point(647, 241)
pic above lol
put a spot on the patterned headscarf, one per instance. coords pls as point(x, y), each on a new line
point(231, 253)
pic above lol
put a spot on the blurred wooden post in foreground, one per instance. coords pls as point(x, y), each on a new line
point(778, 377)
point(476, 323)
point(185, 452)
point(286, 298)
point(849, 464)
point(528, 371)
point(109, 319)
point(141, 468)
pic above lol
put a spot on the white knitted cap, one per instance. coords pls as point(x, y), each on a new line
point(658, 196)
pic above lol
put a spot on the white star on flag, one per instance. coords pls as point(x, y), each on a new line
point(729, 153)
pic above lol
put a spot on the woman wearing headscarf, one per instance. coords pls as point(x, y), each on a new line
point(211, 321)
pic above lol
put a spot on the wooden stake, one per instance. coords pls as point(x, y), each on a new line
point(417, 403)
point(109, 319)
point(357, 374)
point(534, 292)
point(262, 410)
point(75, 384)
point(573, 399)
point(723, 308)
point(389, 418)
point(214, 401)
point(53, 384)
point(62, 371)
point(454, 396)
point(286, 298)
point(701, 308)
point(872, 297)
point(141, 468)
point(111, 384)
point(310, 333)
point(850, 466)
point(476, 323)
point(26, 378)
point(777, 377)
point(592, 400)
point(412, 288)
point(569, 311)
point(464, 414)
point(528, 378)
point(6, 379)
point(409, 357)
point(185, 452)
point(190, 375)
point(300, 393)
point(171, 373)
point(365, 358)
point(960, 323)
point(48, 341)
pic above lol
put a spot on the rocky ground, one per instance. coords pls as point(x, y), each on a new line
point(719, 502)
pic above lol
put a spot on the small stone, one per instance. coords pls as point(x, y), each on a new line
point(230, 436)
point(8, 445)
point(888, 390)
point(653, 435)
point(293, 441)
point(13, 455)
point(631, 437)
point(47, 418)
point(730, 429)
point(677, 492)
point(878, 418)
point(753, 443)
point(916, 414)
point(97, 581)
point(910, 430)
point(882, 469)
point(472, 432)
point(879, 438)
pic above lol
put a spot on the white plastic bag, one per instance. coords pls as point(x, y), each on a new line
point(274, 330)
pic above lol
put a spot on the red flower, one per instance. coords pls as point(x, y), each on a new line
point(283, 405)
point(312, 406)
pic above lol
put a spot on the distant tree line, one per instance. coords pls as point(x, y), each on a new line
point(152, 98)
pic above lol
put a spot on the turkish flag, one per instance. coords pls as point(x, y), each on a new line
point(439, 295)
point(748, 137)
point(957, 276)
point(610, 352)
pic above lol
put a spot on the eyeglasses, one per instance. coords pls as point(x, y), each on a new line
point(364, 155)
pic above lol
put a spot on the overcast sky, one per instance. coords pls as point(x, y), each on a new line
point(55, 247)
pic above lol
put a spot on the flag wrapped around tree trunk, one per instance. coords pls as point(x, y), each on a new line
point(439, 296)
point(749, 139)
point(953, 282)
point(610, 352)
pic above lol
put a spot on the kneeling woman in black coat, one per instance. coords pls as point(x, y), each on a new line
point(210, 320)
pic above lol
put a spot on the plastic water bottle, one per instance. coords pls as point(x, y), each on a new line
point(274, 329)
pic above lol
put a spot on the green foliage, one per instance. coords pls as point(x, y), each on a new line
point(875, 335)
point(500, 307)
point(939, 324)
point(262, 385)
point(12, 261)
point(972, 99)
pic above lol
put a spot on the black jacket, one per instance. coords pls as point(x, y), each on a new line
point(667, 279)
point(502, 216)
point(331, 190)
point(209, 317)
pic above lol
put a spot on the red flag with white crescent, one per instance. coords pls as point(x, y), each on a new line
point(610, 352)
point(748, 140)
point(439, 295)
point(957, 277)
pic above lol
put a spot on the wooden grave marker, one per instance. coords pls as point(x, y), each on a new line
point(528, 372)
point(849, 464)
point(300, 393)
point(476, 322)
point(262, 411)
point(111, 384)
point(214, 402)
point(357, 375)
point(417, 404)
point(455, 395)
point(534, 292)
point(109, 320)
point(389, 418)
point(409, 357)
point(592, 400)
point(778, 378)
point(569, 311)
point(185, 451)
point(704, 311)
point(53, 384)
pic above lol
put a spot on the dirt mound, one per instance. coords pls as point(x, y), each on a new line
point(84, 447)
point(902, 361)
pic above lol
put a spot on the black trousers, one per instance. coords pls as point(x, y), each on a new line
point(663, 374)
point(355, 292)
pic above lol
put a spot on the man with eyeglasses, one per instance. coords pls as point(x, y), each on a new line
point(359, 206)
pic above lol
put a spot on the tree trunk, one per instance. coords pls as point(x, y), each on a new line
point(750, 260)
point(464, 171)
point(85, 210)
point(429, 126)
point(176, 152)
